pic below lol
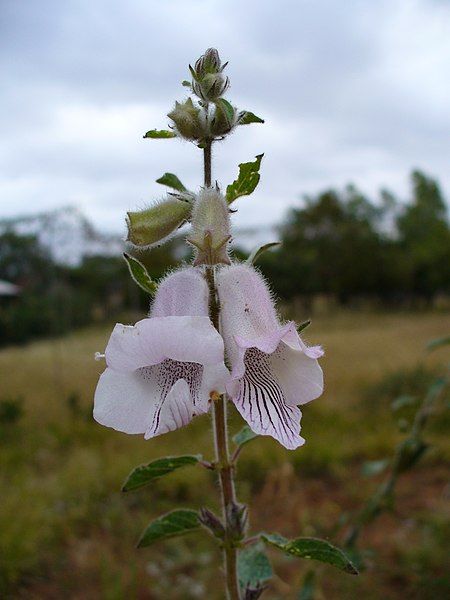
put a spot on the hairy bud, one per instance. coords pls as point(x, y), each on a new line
point(187, 119)
point(208, 63)
point(209, 83)
point(157, 223)
point(211, 522)
point(210, 228)
point(225, 118)
point(237, 516)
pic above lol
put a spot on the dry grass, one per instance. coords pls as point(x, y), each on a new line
point(65, 528)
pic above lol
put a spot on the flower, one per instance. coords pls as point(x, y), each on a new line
point(162, 371)
point(273, 370)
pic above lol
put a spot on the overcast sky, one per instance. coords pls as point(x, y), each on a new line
point(351, 91)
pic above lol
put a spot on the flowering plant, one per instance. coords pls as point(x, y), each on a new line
point(212, 337)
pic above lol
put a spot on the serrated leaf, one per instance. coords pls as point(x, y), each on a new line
point(303, 325)
point(186, 83)
point(253, 567)
point(161, 134)
point(438, 343)
point(246, 181)
point(256, 253)
point(172, 181)
point(248, 117)
point(140, 275)
point(175, 523)
point(308, 587)
point(312, 549)
point(374, 467)
point(244, 435)
point(144, 474)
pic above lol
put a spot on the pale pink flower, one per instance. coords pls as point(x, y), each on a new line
point(273, 370)
point(160, 372)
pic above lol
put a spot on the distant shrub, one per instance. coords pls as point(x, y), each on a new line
point(11, 410)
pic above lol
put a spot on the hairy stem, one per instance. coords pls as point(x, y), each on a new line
point(224, 465)
point(207, 164)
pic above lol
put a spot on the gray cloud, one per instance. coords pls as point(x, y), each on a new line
point(350, 91)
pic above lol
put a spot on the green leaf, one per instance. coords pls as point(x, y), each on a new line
point(186, 83)
point(313, 549)
point(247, 180)
point(172, 181)
point(245, 435)
point(253, 567)
point(303, 325)
point(172, 524)
point(139, 274)
point(162, 466)
point(308, 587)
point(248, 117)
point(438, 343)
point(161, 134)
point(256, 253)
point(374, 467)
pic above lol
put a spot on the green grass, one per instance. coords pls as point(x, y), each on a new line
point(65, 528)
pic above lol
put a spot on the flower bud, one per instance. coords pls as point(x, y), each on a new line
point(237, 516)
point(211, 87)
point(211, 522)
point(253, 593)
point(208, 81)
point(157, 223)
point(187, 119)
point(208, 63)
point(210, 228)
point(225, 118)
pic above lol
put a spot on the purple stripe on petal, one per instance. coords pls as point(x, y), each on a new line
point(261, 402)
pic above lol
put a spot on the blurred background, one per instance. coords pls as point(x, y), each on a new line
point(355, 182)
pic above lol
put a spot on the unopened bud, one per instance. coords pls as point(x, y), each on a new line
point(211, 86)
point(211, 522)
point(208, 82)
point(210, 228)
point(157, 223)
point(208, 63)
point(225, 118)
point(188, 120)
point(237, 517)
point(253, 593)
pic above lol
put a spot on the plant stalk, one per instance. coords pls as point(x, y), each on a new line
point(223, 463)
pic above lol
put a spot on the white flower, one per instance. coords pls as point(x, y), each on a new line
point(273, 371)
point(161, 372)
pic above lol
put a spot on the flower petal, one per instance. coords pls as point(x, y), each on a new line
point(300, 376)
point(123, 401)
point(150, 341)
point(260, 399)
point(183, 292)
point(176, 410)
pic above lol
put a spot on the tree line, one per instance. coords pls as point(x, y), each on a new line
point(342, 244)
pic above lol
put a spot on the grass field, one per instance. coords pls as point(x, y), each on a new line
point(67, 531)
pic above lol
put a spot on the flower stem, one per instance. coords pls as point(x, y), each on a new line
point(223, 463)
point(207, 164)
